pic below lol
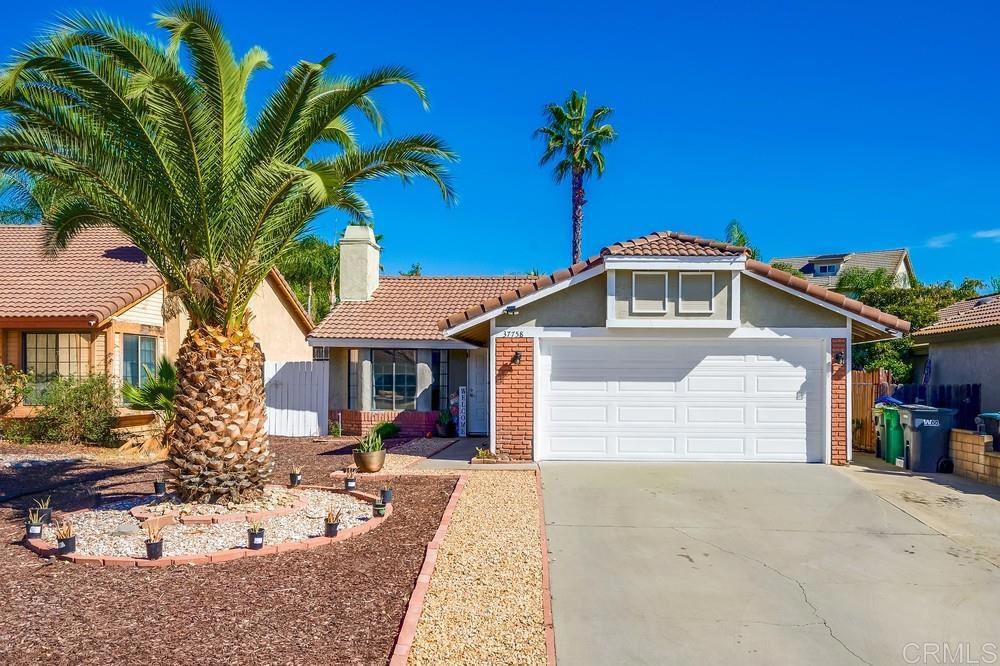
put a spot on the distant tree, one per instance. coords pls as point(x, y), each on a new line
point(737, 235)
point(788, 268)
point(995, 284)
point(414, 271)
point(858, 280)
point(311, 268)
point(578, 142)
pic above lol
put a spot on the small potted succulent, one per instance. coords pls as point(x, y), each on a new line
point(332, 523)
point(351, 480)
point(443, 424)
point(154, 540)
point(378, 509)
point(295, 476)
point(45, 509)
point(255, 535)
point(386, 494)
point(66, 538)
point(369, 455)
point(160, 487)
point(33, 525)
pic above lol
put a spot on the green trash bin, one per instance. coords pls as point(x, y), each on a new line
point(893, 448)
point(879, 422)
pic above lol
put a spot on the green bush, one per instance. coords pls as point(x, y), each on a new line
point(386, 430)
point(14, 386)
point(72, 410)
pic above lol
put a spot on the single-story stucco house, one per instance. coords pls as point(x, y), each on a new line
point(96, 307)
point(963, 346)
point(665, 347)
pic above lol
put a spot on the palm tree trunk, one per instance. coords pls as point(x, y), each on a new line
point(309, 300)
point(219, 445)
point(578, 202)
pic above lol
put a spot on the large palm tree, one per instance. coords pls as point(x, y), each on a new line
point(737, 235)
point(578, 141)
point(155, 140)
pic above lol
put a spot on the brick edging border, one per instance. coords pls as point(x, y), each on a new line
point(550, 635)
point(415, 607)
point(43, 548)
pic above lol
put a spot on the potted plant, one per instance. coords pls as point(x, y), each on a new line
point(160, 487)
point(386, 494)
point(369, 455)
point(332, 523)
point(33, 525)
point(45, 509)
point(351, 480)
point(154, 540)
point(255, 535)
point(443, 424)
point(378, 509)
point(65, 538)
point(295, 477)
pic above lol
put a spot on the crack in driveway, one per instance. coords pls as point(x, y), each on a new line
point(802, 588)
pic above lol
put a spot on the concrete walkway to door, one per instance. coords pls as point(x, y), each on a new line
point(729, 563)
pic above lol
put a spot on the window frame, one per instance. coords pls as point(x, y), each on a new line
point(143, 372)
point(680, 293)
point(831, 269)
point(666, 292)
point(398, 404)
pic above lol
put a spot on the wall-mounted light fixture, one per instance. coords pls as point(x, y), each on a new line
point(839, 357)
point(516, 358)
point(510, 310)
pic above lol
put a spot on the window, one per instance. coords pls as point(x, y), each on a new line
point(439, 389)
point(827, 269)
point(649, 292)
point(321, 353)
point(394, 379)
point(697, 291)
point(353, 361)
point(51, 355)
point(138, 358)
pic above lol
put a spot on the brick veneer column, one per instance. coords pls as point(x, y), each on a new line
point(838, 406)
point(515, 397)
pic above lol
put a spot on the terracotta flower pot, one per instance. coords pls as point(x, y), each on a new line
point(369, 462)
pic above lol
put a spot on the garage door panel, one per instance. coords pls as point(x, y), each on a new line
point(647, 414)
point(715, 384)
point(795, 416)
point(578, 414)
point(781, 446)
point(578, 446)
point(723, 446)
point(644, 446)
point(715, 415)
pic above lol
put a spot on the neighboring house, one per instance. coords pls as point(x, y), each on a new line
point(96, 307)
point(660, 348)
point(964, 347)
point(826, 269)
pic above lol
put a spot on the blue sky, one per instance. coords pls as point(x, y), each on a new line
point(823, 127)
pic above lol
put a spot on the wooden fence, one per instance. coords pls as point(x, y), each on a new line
point(865, 388)
point(966, 398)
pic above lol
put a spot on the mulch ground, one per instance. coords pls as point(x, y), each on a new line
point(341, 604)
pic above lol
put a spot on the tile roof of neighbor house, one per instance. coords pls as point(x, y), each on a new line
point(676, 245)
point(98, 274)
point(975, 313)
point(888, 260)
point(408, 308)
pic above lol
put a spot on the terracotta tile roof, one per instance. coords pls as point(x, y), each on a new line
point(672, 244)
point(888, 260)
point(98, 274)
point(980, 312)
point(408, 308)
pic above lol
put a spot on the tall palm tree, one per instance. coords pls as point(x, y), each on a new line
point(154, 139)
point(737, 235)
point(313, 266)
point(578, 141)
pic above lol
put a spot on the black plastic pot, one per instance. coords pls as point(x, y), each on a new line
point(294, 479)
point(255, 540)
point(350, 484)
point(442, 430)
point(386, 495)
point(33, 530)
point(331, 529)
point(378, 510)
point(160, 487)
point(67, 545)
point(154, 549)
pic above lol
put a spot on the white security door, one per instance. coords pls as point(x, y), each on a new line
point(479, 370)
point(682, 399)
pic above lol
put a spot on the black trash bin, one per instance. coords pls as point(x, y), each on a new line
point(926, 432)
point(989, 424)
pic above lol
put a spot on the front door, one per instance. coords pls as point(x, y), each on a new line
point(479, 393)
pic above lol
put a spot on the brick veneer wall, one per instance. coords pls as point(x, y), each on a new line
point(974, 456)
point(358, 422)
point(515, 397)
point(838, 406)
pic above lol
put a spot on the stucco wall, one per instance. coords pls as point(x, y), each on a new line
point(973, 360)
point(583, 304)
point(339, 369)
point(764, 306)
point(623, 298)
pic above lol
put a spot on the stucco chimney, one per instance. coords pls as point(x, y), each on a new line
point(359, 263)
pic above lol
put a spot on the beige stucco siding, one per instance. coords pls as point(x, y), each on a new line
point(764, 306)
point(624, 306)
point(583, 304)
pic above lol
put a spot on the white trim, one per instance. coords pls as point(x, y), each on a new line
point(829, 306)
point(666, 291)
point(735, 286)
point(742, 333)
point(364, 343)
point(680, 293)
point(677, 263)
point(850, 395)
point(612, 314)
point(828, 400)
point(530, 298)
point(492, 363)
point(536, 396)
point(673, 323)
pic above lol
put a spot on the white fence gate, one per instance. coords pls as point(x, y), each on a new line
point(297, 397)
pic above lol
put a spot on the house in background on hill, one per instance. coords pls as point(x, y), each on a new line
point(824, 270)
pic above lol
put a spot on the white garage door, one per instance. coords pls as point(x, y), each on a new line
point(691, 400)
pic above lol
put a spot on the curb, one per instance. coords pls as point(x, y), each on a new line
point(415, 607)
point(550, 635)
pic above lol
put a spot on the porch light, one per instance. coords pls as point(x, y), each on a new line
point(516, 358)
point(839, 357)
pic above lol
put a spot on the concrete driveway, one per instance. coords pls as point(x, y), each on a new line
point(730, 563)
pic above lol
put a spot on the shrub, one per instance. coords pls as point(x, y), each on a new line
point(333, 428)
point(75, 410)
point(370, 443)
point(156, 393)
point(13, 388)
point(386, 430)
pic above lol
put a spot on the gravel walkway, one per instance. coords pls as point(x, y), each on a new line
point(411, 453)
point(484, 605)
